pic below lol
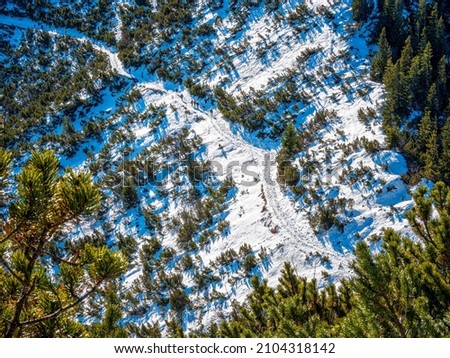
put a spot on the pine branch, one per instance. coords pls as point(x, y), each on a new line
point(8, 236)
point(63, 309)
point(61, 260)
point(5, 264)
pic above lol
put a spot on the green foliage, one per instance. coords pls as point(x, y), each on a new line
point(243, 113)
point(109, 326)
point(290, 140)
point(223, 226)
point(401, 291)
point(361, 9)
point(205, 30)
point(95, 18)
point(44, 280)
point(287, 173)
point(152, 221)
point(411, 63)
point(325, 219)
point(227, 104)
point(146, 330)
point(404, 291)
point(5, 163)
point(128, 246)
point(381, 58)
point(70, 78)
point(295, 309)
point(129, 193)
point(196, 89)
point(299, 14)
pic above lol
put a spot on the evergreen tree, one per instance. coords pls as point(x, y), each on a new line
point(109, 326)
point(431, 157)
point(444, 162)
point(392, 19)
point(67, 128)
point(406, 57)
point(43, 280)
point(422, 14)
point(129, 193)
point(297, 308)
point(397, 90)
point(423, 40)
point(404, 290)
point(427, 128)
point(417, 82)
point(420, 77)
point(441, 83)
point(287, 173)
point(361, 9)
point(382, 57)
point(146, 330)
point(435, 31)
point(289, 140)
point(5, 162)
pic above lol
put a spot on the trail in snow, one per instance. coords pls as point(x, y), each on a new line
point(98, 45)
point(291, 224)
point(294, 238)
point(294, 230)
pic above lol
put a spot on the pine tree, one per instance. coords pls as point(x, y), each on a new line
point(422, 14)
point(67, 128)
point(440, 45)
point(174, 328)
point(435, 31)
point(361, 9)
point(431, 102)
point(289, 140)
point(5, 162)
point(441, 83)
point(427, 128)
point(109, 326)
point(393, 21)
point(129, 193)
point(444, 163)
point(397, 90)
point(423, 40)
point(431, 157)
point(382, 57)
point(43, 281)
point(404, 290)
point(420, 77)
point(406, 56)
point(146, 330)
point(287, 173)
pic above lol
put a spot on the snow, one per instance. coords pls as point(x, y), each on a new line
point(282, 225)
point(395, 163)
point(27, 24)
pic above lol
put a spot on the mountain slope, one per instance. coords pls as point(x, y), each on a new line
point(197, 241)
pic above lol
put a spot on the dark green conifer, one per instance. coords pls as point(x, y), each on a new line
point(382, 57)
point(289, 140)
point(361, 9)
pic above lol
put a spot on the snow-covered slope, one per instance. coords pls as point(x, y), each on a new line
point(345, 168)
